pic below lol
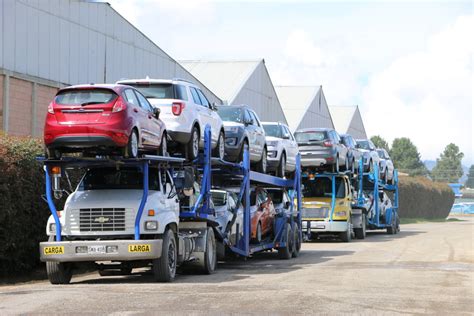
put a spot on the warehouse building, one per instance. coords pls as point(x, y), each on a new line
point(240, 82)
point(304, 106)
point(348, 120)
point(49, 44)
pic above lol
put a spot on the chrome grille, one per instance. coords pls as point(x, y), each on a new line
point(101, 219)
point(315, 212)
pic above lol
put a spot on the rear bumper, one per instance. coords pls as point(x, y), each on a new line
point(325, 227)
point(127, 250)
point(180, 137)
point(82, 142)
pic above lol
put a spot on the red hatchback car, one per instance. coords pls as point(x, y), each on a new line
point(262, 213)
point(100, 119)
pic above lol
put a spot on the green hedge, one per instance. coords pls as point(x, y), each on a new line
point(23, 213)
point(423, 198)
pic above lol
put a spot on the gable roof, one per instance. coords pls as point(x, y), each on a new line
point(342, 117)
point(212, 74)
point(295, 101)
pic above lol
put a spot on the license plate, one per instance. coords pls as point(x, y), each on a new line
point(54, 250)
point(95, 249)
point(320, 226)
point(139, 248)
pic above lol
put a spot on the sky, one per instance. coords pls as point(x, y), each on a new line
point(407, 64)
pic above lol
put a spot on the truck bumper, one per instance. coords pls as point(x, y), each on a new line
point(324, 227)
point(100, 250)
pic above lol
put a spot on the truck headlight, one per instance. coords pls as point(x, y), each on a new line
point(151, 225)
point(341, 214)
point(52, 227)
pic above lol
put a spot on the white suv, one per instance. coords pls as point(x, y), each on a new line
point(185, 110)
point(282, 148)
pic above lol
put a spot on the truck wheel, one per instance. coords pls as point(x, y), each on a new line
point(164, 268)
point(208, 266)
point(58, 272)
point(360, 233)
point(346, 236)
point(296, 242)
point(398, 224)
point(286, 252)
point(392, 228)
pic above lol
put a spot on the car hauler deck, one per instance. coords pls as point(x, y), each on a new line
point(153, 221)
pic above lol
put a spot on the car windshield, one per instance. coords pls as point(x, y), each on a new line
point(113, 179)
point(381, 154)
point(272, 130)
point(156, 91)
point(322, 187)
point(276, 196)
point(85, 96)
point(310, 136)
point(230, 114)
point(219, 198)
point(364, 144)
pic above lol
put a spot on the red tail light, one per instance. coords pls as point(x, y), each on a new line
point(327, 143)
point(119, 105)
point(177, 108)
point(50, 108)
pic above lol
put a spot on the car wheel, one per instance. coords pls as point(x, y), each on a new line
point(262, 164)
point(245, 144)
point(353, 167)
point(258, 233)
point(219, 151)
point(281, 171)
point(336, 165)
point(385, 176)
point(131, 150)
point(371, 166)
point(193, 145)
point(163, 151)
point(346, 164)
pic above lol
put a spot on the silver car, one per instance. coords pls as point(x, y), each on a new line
point(386, 165)
point(282, 148)
point(225, 205)
point(369, 152)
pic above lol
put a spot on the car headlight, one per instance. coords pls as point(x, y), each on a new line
point(272, 143)
point(341, 214)
point(272, 154)
point(231, 141)
point(231, 129)
point(151, 225)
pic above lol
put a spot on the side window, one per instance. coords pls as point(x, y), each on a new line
point(131, 97)
point(256, 121)
point(247, 116)
point(231, 200)
point(181, 92)
point(288, 131)
point(195, 96)
point(144, 104)
point(336, 137)
point(203, 98)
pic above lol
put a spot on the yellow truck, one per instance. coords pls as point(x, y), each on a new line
point(327, 207)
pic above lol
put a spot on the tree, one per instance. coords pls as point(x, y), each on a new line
point(448, 166)
point(379, 142)
point(470, 178)
point(406, 157)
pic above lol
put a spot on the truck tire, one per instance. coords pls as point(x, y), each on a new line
point(360, 233)
point(296, 241)
point(347, 235)
point(58, 272)
point(164, 268)
point(286, 252)
point(208, 266)
point(391, 230)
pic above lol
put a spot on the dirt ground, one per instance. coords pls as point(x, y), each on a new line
point(426, 269)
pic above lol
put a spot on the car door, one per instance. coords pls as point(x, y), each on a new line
point(265, 209)
point(259, 135)
point(252, 135)
point(207, 115)
point(342, 148)
point(291, 147)
point(154, 126)
point(140, 116)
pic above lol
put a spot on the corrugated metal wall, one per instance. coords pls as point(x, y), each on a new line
point(73, 42)
point(318, 114)
point(258, 93)
point(356, 127)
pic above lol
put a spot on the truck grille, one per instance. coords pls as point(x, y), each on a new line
point(101, 219)
point(315, 212)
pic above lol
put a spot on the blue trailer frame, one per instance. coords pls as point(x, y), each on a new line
point(202, 208)
point(372, 181)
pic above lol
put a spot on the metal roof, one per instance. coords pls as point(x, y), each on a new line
point(224, 78)
point(295, 101)
point(347, 119)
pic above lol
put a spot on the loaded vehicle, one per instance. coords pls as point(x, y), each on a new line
point(243, 129)
point(158, 212)
point(282, 148)
point(386, 166)
point(353, 153)
point(369, 154)
point(103, 119)
point(229, 216)
point(262, 213)
point(322, 147)
point(186, 111)
point(327, 206)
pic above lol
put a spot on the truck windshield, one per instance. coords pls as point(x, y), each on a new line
point(113, 179)
point(322, 187)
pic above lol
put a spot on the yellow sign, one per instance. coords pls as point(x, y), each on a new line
point(54, 250)
point(139, 248)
